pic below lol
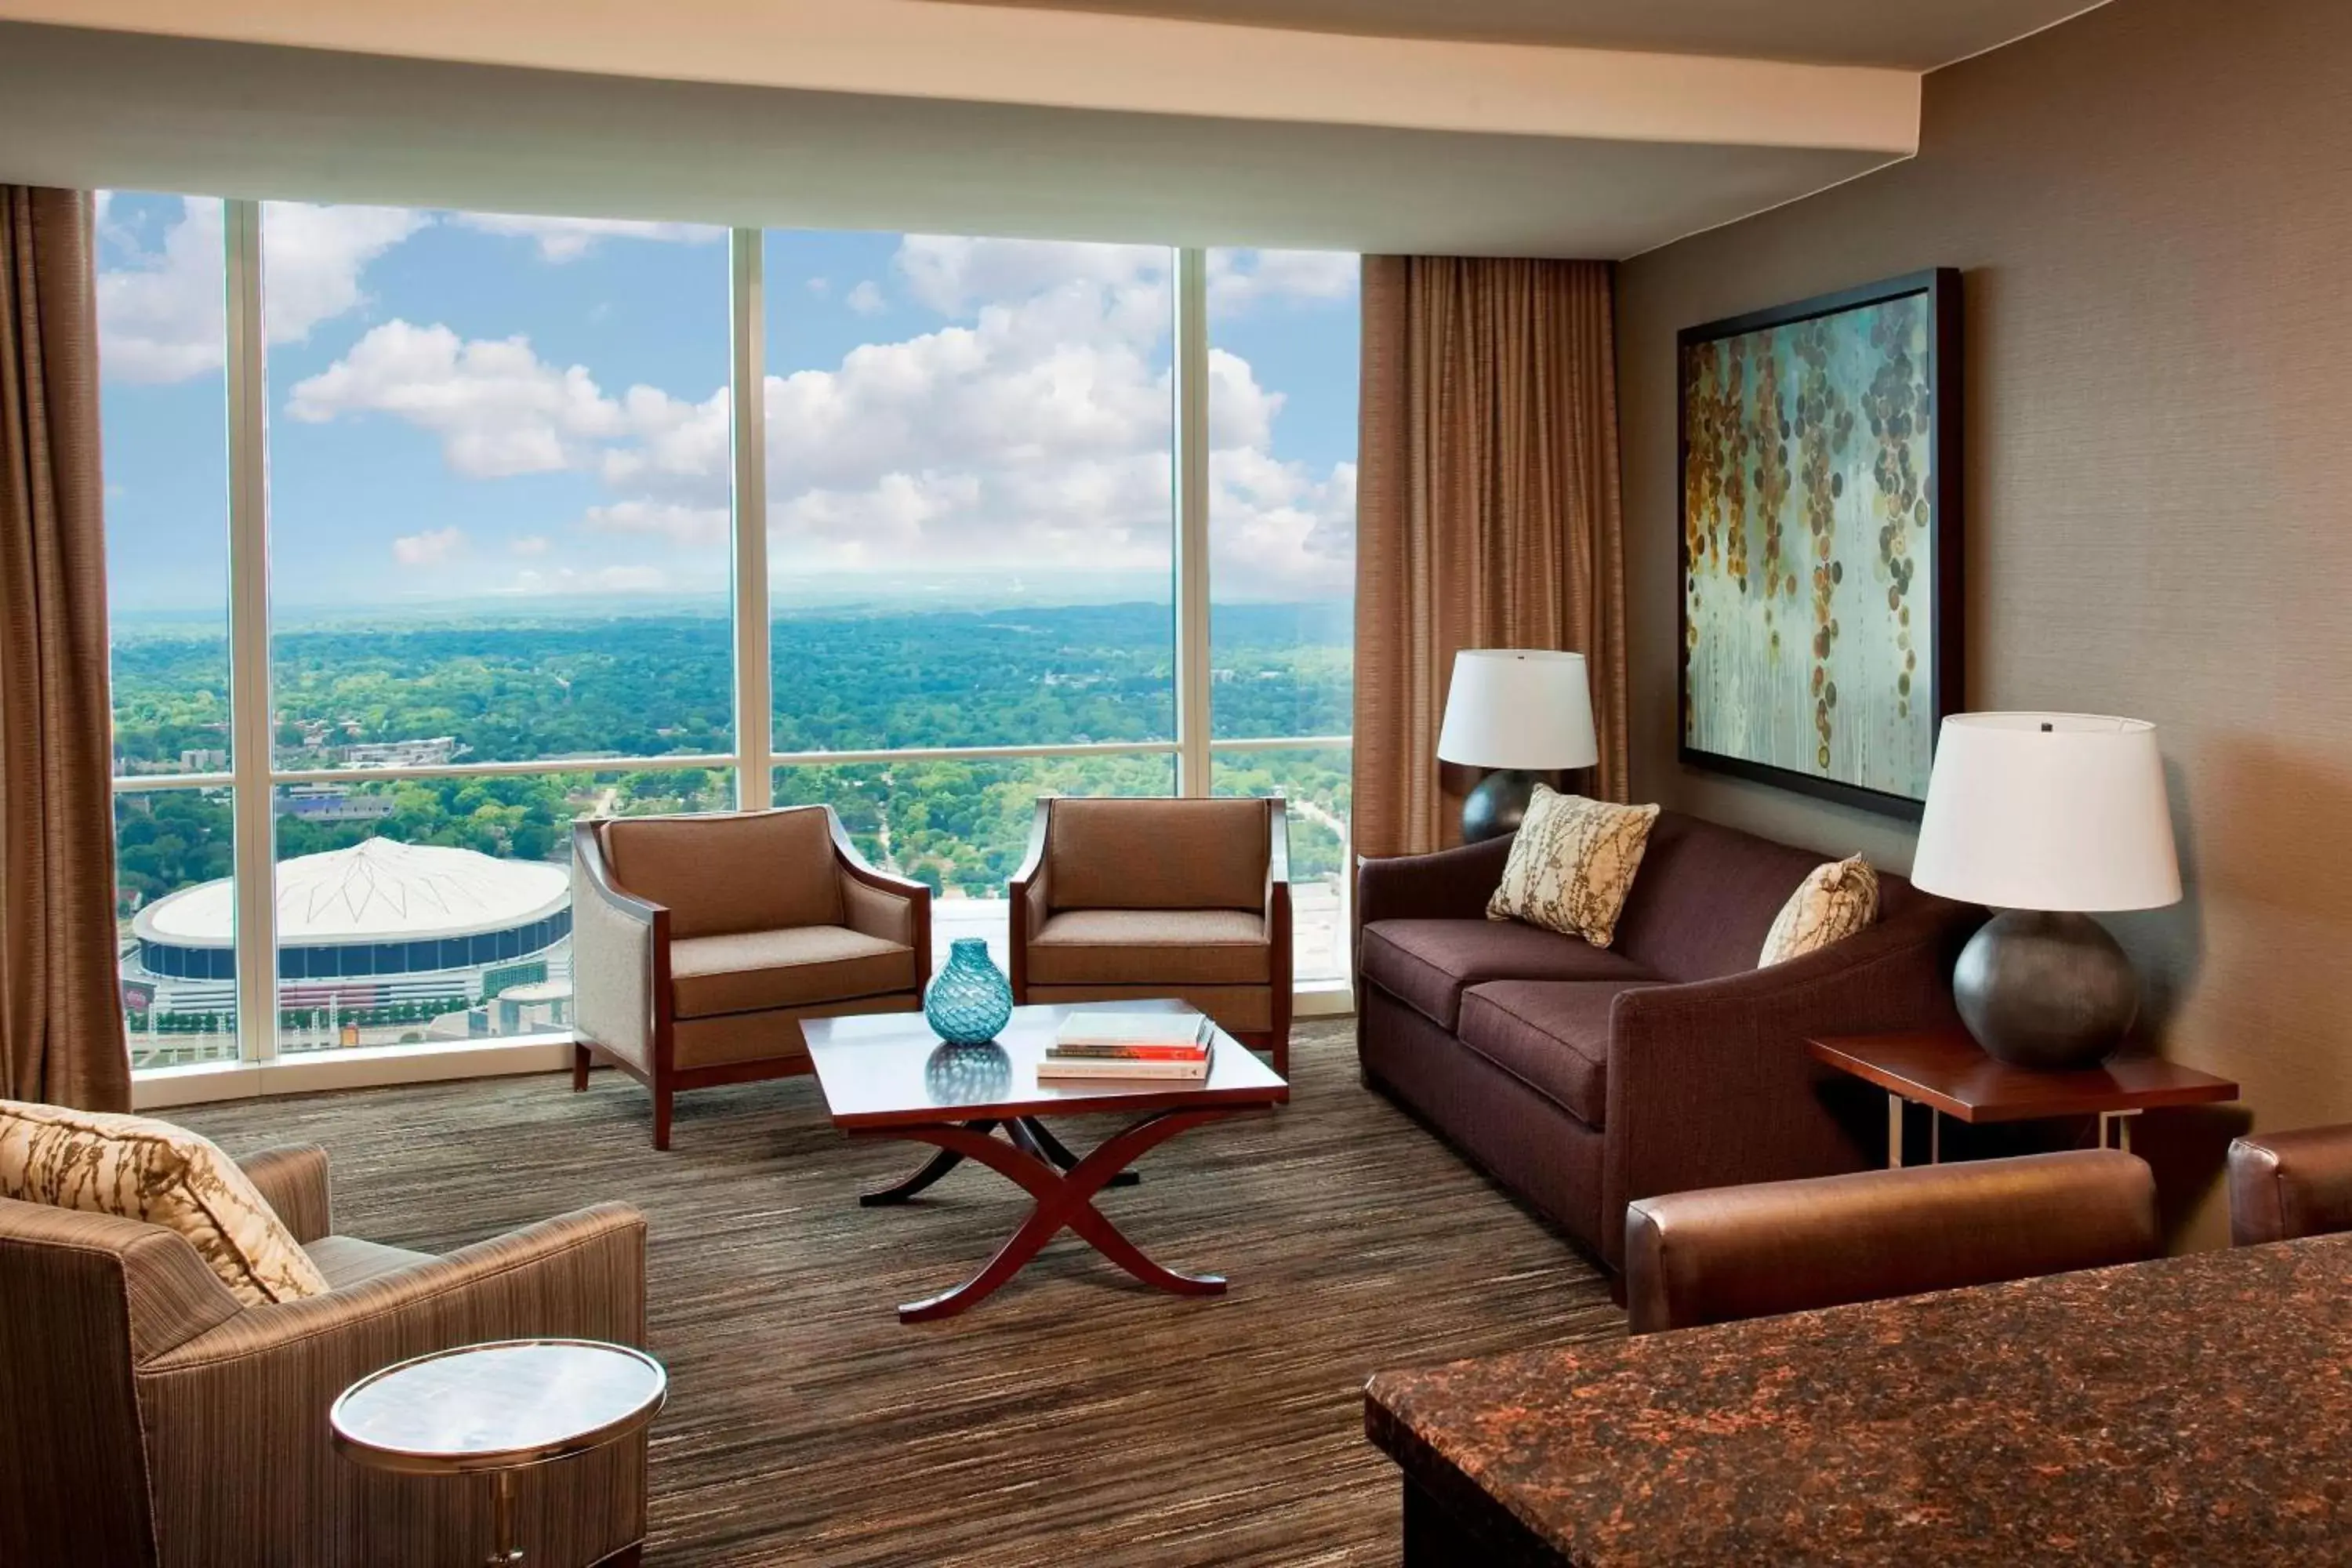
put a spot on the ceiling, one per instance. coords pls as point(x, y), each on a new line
point(1526, 129)
point(99, 109)
point(1915, 35)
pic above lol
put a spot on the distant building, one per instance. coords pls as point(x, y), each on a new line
point(401, 754)
point(378, 934)
point(331, 803)
point(204, 760)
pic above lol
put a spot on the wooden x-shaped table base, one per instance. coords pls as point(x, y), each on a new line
point(1063, 1185)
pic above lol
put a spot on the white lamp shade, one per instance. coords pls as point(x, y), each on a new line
point(1518, 708)
point(2050, 812)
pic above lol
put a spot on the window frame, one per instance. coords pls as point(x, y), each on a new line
point(256, 778)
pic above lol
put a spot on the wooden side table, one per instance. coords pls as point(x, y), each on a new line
point(1950, 1074)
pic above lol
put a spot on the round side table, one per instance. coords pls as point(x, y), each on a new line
point(500, 1407)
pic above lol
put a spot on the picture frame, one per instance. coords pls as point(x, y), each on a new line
point(1818, 479)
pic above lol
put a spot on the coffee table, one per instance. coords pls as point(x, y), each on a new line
point(501, 1408)
point(886, 1075)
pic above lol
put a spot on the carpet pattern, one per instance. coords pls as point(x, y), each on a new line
point(1073, 1417)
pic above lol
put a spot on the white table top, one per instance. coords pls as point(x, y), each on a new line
point(497, 1406)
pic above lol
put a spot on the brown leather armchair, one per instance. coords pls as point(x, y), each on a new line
point(154, 1419)
point(699, 943)
point(2288, 1185)
point(1729, 1253)
point(1184, 898)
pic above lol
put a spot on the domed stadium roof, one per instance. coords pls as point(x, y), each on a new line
point(376, 890)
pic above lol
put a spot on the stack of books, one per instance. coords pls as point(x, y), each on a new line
point(1095, 1047)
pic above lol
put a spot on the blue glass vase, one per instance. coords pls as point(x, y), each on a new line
point(969, 1001)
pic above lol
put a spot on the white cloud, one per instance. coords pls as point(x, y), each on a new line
point(563, 239)
point(596, 580)
point(1275, 529)
point(499, 409)
point(530, 544)
point(163, 316)
point(698, 527)
point(866, 299)
point(955, 277)
point(161, 312)
point(1033, 432)
point(312, 259)
point(431, 548)
point(820, 286)
point(1030, 434)
point(1241, 279)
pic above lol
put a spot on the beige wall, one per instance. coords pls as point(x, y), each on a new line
point(2152, 206)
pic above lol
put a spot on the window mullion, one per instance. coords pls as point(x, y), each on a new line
point(1191, 473)
point(754, 689)
point(251, 734)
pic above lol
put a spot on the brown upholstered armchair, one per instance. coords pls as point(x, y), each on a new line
point(699, 943)
point(2287, 1185)
point(154, 1419)
point(1187, 897)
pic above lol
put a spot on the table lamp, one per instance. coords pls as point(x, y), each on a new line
point(2045, 816)
point(1518, 711)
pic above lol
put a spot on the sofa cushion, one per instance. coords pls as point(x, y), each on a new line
point(1127, 947)
point(750, 972)
point(136, 1168)
point(1706, 896)
point(721, 873)
point(1427, 963)
point(1835, 901)
point(1552, 1035)
point(1157, 853)
point(1572, 863)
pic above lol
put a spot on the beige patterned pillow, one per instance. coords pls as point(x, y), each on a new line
point(140, 1169)
point(1833, 902)
point(1572, 864)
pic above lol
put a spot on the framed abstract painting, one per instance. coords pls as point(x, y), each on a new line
point(1819, 476)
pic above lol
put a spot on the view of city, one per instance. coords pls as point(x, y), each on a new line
point(480, 555)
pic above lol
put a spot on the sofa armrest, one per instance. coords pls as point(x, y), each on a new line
point(1029, 897)
point(1450, 884)
point(619, 942)
point(1710, 1084)
point(292, 1180)
point(582, 1274)
point(875, 902)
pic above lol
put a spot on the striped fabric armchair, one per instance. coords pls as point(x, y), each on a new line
point(155, 1420)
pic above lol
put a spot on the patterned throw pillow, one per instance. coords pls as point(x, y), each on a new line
point(1833, 902)
point(1572, 864)
point(140, 1169)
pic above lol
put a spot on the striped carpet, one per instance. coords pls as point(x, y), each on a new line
point(1073, 1417)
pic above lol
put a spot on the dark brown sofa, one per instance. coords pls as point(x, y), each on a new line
point(1582, 1079)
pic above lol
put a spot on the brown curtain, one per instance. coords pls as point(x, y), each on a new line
point(1487, 512)
point(61, 1037)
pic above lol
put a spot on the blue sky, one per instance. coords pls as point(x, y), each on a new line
point(469, 408)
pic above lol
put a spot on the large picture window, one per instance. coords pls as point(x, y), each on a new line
point(446, 515)
point(1283, 349)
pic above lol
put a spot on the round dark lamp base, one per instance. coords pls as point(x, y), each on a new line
point(2050, 991)
point(1497, 805)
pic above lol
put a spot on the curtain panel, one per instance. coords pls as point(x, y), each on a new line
point(61, 1034)
point(1487, 513)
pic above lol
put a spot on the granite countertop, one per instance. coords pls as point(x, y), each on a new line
point(2194, 1410)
